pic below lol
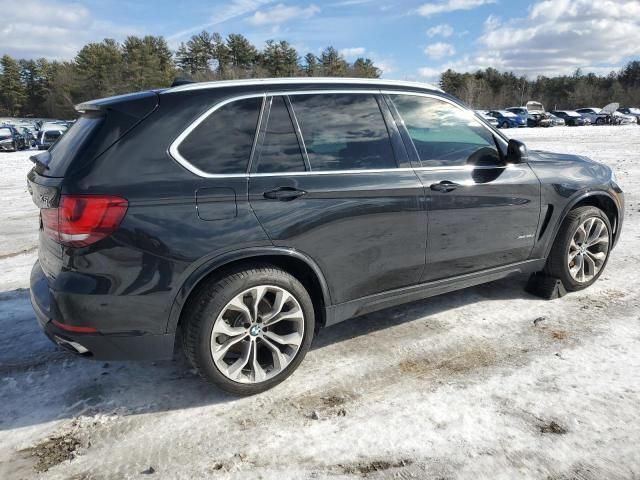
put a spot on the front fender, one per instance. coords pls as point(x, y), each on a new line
point(576, 198)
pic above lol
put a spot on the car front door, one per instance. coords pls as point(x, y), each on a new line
point(483, 213)
point(330, 178)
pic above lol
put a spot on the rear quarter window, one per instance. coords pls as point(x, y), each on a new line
point(222, 142)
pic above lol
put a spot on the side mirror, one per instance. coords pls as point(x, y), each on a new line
point(516, 152)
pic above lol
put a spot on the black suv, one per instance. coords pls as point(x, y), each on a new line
point(11, 140)
point(248, 214)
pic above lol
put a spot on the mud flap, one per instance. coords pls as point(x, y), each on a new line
point(545, 286)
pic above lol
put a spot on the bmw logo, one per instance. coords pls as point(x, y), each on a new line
point(255, 330)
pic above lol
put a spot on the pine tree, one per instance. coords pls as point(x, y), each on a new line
point(12, 92)
point(364, 68)
point(100, 70)
point(221, 55)
point(332, 63)
point(311, 67)
point(194, 58)
point(242, 55)
point(35, 92)
point(148, 63)
point(280, 59)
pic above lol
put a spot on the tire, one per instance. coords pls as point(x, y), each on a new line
point(504, 125)
point(559, 263)
point(213, 319)
point(599, 121)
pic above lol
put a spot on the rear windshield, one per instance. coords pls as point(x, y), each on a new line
point(5, 132)
point(70, 144)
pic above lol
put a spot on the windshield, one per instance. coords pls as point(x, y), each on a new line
point(5, 133)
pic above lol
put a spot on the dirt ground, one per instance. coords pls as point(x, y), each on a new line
point(488, 382)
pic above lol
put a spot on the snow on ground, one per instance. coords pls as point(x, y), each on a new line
point(488, 382)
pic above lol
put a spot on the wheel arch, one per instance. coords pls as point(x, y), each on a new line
point(294, 262)
point(597, 198)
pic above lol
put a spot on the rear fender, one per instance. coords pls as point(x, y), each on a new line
point(214, 264)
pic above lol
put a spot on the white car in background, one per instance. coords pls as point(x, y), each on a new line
point(607, 115)
point(487, 118)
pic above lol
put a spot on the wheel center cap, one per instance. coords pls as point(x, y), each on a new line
point(583, 249)
point(255, 330)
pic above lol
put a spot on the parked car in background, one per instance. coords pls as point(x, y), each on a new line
point(487, 118)
point(571, 118)
point(539, 119)
point(54, 125)
point(556, 121)
point(522, 112)
point(508, 119)
point(594, 115)
point(11, 139)
point(47, 137)
point(533, 113)
point(630, 111)
point(252, 213)
point(608, 115)
point(622, 119)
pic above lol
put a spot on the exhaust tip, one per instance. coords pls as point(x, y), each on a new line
point(74, 347)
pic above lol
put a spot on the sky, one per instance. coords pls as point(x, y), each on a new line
point(410, 40)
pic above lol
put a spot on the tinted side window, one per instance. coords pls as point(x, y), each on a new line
point(280, 150)
point(222, 142)
point(445, 135)
point(343, 131)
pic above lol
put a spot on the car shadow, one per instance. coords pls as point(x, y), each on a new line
point(42, 383)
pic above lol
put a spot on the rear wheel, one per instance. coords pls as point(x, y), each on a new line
point(248, 331)
point(504, 125)
point(581, 249)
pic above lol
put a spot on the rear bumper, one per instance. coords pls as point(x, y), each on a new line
point(99, 345)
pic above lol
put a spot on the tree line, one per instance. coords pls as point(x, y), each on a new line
point(490, 88)
point(45, 88)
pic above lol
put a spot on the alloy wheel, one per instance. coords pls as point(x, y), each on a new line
point(588, 249)
point(257, 334)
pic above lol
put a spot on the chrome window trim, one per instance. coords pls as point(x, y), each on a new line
point(376, 170)
point(175, 154)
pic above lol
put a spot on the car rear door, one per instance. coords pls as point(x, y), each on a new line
point(482, 212)
point(330, 178)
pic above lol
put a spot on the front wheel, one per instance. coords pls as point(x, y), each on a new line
point(581, 249)
point(504, 125)
point(249, 330)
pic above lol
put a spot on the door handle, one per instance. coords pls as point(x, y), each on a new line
point(444, 186)
point(284, 194)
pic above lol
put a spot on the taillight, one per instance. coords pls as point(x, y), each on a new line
point(81, 220)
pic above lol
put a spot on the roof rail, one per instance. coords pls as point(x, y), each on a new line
point(301, 80)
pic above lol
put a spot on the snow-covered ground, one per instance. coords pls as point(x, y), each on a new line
point(488, 382)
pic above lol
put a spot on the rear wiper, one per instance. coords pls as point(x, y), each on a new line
point(41, 159)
